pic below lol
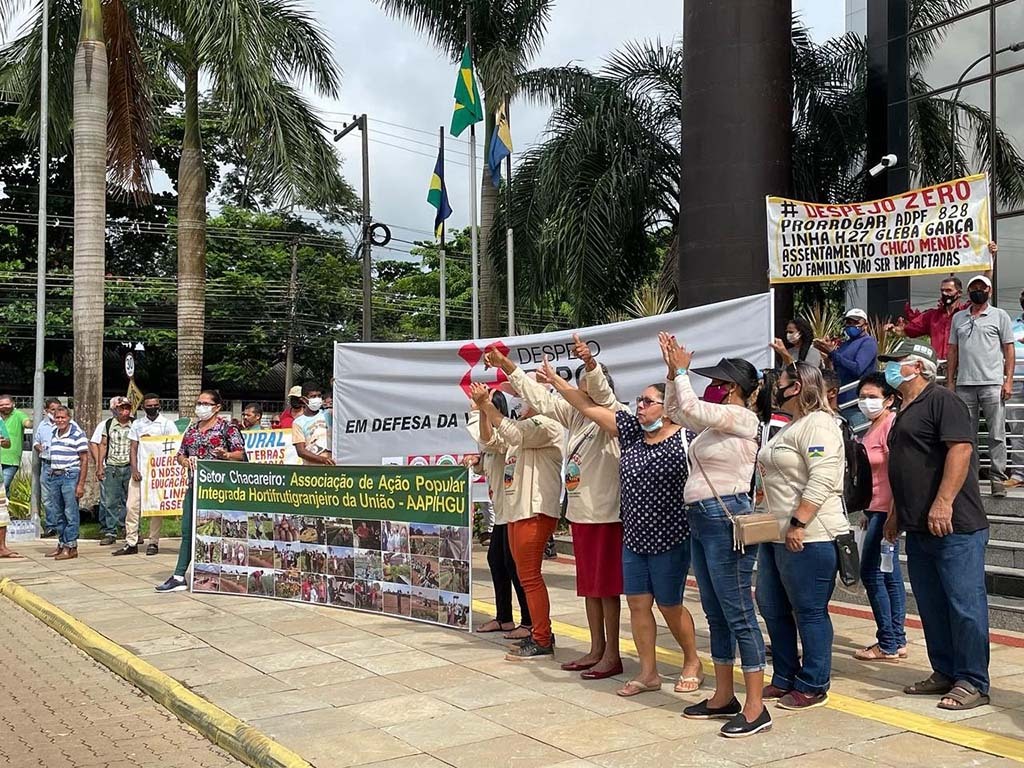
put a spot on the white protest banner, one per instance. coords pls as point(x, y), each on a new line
point(943, 228)
point(408, 403)
point(164, 482)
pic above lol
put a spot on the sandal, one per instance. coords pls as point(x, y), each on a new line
point(635, 687)
point(519, 633)
point(875, 653)
point(689, 684)
point(934, 684)
point(495, 626)
point(575, 666)
point(964, 696)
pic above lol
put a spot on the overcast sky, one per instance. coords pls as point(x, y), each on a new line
point(394, 75)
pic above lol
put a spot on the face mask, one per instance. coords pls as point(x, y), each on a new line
point(152, 413)
point(780, 397)
point(948, 300)
point(653, 426)
point(716, 393)
point(979, 297)
point(315, 403)
point(853, 331)
point(203, 412)
point(871, 406)
point(893, 375)
point(793, 338)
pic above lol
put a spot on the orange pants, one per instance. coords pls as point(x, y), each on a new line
point(527, 539)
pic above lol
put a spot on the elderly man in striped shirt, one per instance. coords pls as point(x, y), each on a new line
point(65, 481)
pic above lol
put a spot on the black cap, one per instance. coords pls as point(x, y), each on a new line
point(906, 348)
point(732, 369)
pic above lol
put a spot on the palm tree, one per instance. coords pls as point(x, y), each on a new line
point(253, 53)
point(505, 37)
point(606, 176)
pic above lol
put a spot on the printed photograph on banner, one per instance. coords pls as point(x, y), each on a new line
point(425, 571)
point(398, 599)
point(339, 532)
point(367, 533)
point(369, 564)
point(234, 524)
point(314, 588)
point(234, 580)
point(424, 539)
point(207, 549)
point(454, 541)
point(234, 552)
point(287, 584)
point(287, 527)
point(261, 527)
point(312, 530)
point(424, 604)
point(206, 577)
point(261, 581)
point(261, 554)
point(341, 561)
point(341, 592)
point(313, 558)
point(369, 596)
point(453, 609)
point(395, 536)
point(397, 568)
point(207, 523)
point(453, 575)
point(286, 555)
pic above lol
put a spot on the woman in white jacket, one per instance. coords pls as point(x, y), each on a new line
point(801, 470)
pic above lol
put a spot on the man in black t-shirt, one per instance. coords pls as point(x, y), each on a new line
point(933, 470)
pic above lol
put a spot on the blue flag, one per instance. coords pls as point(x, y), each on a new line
point(437, 195)
point(501, 145)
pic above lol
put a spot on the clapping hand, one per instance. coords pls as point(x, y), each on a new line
point(824, 346)
point(480, 393)
point(675, 356)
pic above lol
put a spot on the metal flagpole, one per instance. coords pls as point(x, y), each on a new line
point(444, 287)
point(472, 202)
point(39, 378)
point(510, 268)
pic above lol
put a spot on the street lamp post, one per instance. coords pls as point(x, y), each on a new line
point(953, 129)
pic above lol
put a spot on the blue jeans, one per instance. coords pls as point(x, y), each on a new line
point(947, 575)
point(793, 590)
point(886, 593)
point(662, 575)
point(724, 577)
point(114, 498)
point(10, 470)
point(62, 506)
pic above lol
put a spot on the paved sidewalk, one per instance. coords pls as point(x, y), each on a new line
point(63, 709)
point(345, 688)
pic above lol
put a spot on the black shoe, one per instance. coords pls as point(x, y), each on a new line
point(703, 712)
point(173, 584)
point(738, 727)
point(152, 549)
point(107, 540)
point(49, 535)
point(127, 549)
point(549, 550)
point(530, 650)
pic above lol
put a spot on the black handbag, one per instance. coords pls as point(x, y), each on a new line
point(848, 558)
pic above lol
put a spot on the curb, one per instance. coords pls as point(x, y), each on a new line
point(242, 741)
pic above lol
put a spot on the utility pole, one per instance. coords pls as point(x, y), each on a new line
point(38, 377)
point(360, 123)
point(289, 355)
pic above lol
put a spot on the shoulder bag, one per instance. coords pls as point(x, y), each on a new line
point(747, 530)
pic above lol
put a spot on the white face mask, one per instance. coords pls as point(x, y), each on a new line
point(203, 412)
point(315, 403)
point(793, 338)
point(871, 406)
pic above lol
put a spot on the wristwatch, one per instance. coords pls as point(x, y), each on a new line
point(793, 521)
point(680, 371)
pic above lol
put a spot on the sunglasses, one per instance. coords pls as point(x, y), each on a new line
point(645, 402)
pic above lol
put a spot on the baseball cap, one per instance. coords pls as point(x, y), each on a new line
point(119, 400)
point(295, 392)
point(909, 347)
point(734, 369)
point(979, 279)
point(860, 314)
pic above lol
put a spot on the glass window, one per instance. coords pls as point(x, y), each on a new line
point(1009, 30)
point(934, 13)
point(1009, 264)
point(930, 153)
point(1010, 120)
point(952, 49)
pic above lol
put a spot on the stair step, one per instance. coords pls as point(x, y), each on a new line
point(1007, 554)
point(1006, 528)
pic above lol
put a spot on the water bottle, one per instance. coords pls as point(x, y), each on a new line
point(888, 553)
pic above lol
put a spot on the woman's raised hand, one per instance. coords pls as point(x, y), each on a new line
point(582, 351)
point(480, 393)
point(675, 356)
point(547, 375)
point(494, 358)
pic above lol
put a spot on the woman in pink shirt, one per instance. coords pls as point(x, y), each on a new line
point(886, 593)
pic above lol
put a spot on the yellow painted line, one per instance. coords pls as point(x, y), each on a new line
point(952, 733)
point(244, 742)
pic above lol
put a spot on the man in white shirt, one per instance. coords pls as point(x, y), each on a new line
point(311, 431)
point(152, 424)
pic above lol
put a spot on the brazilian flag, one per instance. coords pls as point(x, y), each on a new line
point(437, 196)
point(468, 107)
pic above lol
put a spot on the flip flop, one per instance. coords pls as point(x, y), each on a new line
point(635, 687)
point(934, 684)
point(525, 632)
point(875, 653)
point(572, 666)
point(696, 682)
point(497, 627)
point(13, 556)
point(964, 696)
